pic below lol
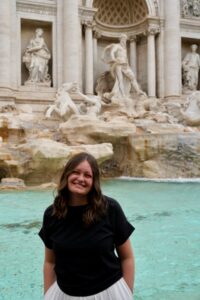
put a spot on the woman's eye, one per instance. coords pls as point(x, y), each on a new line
point(88, 176)
point(75, 172)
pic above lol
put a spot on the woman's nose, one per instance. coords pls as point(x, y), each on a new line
point(81, 177)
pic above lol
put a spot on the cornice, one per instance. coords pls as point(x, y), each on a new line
point(42, 8)
point(190, 22)
point(190, 28)
point(86, 14)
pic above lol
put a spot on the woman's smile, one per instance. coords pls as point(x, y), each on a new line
point(80, 180)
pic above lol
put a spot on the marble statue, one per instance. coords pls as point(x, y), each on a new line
point(36, 58)
point(191, 113)
point(124, 79)
point(64, 106)
point(90, 105)
point(191, 65)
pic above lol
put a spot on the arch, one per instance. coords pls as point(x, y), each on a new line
point(152, 5)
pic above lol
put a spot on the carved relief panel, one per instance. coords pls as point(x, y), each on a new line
point(190, 8)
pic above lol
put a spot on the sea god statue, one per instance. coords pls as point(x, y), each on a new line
point(124, 79)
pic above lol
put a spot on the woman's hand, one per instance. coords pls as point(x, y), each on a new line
point(49, 273)
point(126, 256)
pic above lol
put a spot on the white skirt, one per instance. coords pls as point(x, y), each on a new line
point(118, 291)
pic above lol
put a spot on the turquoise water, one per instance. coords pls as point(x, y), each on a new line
point(166, 241)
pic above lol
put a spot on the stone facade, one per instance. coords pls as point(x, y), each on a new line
point(76, 32)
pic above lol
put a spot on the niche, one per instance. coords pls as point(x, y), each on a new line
point(186, 48)
point(28, 32)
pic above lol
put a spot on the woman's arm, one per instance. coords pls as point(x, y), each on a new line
point(49, 273)
point(126, 256)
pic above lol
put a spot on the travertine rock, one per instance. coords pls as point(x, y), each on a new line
point(43, 159)
point(85, 129)
point(165, 155)
point(36, 149)
point(162, 128)
point(44, 186)
point(152, 169)
point(12, 184)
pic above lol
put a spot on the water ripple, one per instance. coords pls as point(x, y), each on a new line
point(23, 225)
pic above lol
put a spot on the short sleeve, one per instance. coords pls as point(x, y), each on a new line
point(45, 231)
point(122, 227)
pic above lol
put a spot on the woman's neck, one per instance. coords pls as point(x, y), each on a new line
point(76, 200)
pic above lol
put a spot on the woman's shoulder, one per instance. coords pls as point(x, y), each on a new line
point(48, 211)
point(115, 211)
point(112, 203)
point(48, 218)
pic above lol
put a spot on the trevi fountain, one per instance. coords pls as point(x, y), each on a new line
point(117, 78)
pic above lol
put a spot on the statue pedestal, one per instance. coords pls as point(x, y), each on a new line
point(38, 84)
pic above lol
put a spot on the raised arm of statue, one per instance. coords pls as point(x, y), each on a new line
point(108, 55)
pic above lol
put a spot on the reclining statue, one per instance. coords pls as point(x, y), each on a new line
point(191, 113)
point(64, 106)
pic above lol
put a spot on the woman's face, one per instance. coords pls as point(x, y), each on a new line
point(80, 181)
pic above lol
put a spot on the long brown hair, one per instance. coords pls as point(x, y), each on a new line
point(97, 203)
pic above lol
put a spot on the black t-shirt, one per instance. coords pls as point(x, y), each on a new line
point(85, 258)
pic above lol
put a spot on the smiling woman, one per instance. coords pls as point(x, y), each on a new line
point(81, 231)
point(80, 183)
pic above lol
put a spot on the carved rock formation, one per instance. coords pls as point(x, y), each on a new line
point(191, 114)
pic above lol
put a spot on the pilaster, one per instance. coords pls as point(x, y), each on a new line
point(96, 36)
point(152, 30)
point(5, 45)
point(89, 74)
point(160, 62)
point(133, 54)
point(70, 41)
point(172, 49)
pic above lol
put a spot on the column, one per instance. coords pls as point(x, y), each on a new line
point(133, 54)
point(172, 49)
point(5, 43)
point(96, 36)
point(161, 65)
point(70, 41)
point(59, 52)
point(89, 74)
point(151, 60)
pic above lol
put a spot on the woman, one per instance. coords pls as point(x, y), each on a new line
point(81, 231)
